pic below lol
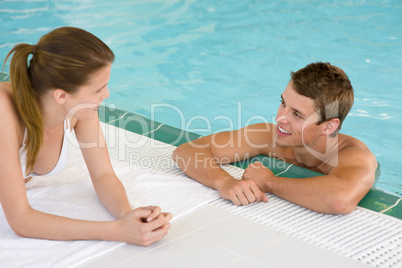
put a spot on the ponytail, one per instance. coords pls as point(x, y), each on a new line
point(26, 101)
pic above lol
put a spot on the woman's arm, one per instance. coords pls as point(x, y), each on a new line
point(28, 222)
point(108, 187)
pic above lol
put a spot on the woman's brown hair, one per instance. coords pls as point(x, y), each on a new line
point(62, 59)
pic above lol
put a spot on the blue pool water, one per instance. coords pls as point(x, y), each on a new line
point(208, 66)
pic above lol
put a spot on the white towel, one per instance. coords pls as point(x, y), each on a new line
point(71, 194)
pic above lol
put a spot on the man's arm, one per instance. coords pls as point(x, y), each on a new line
point(339, 192)
point(200, 160)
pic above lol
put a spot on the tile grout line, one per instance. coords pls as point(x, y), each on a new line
point(233, 262)
point(186, 233)
point(218, 246)
point(205, 226)
point(390, 207)
point(150, 250)
point(245, 256)
point(237, 254)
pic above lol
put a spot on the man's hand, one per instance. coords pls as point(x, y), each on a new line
point(241, 192)
point(259, 174)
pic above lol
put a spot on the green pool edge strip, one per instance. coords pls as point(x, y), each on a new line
point(375, 199)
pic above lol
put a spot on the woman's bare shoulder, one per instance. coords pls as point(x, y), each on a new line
point(8, 113)
point(6, 97)
point(7, 105)
point(6, 87)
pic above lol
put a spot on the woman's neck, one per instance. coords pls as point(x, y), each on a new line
point(52, 112)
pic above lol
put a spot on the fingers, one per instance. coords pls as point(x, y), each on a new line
point(246, 196)
point(156, 234)
point(147, 214)
point(134, 229)
point(157, 223)
point(155, 212)
point(246, 192)
point(260, 195)
point(144, 214)
point(146, 233)
point(168, 216)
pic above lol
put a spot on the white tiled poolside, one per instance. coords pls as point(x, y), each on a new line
point(212, 237)
point(273, 234)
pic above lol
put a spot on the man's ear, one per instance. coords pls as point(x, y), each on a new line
point(60, 96)
point(331, 126)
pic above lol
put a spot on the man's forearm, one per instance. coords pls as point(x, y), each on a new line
point(201, 165)
point(321, 194)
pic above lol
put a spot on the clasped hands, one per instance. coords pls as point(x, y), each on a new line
point(144, 225)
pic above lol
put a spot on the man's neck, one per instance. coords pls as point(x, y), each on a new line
point(323, 152)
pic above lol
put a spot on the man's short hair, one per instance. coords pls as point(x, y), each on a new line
point(328, 86)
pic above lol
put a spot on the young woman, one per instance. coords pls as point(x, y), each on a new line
point(69, 71)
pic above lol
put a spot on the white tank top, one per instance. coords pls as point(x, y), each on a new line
point(63, 158)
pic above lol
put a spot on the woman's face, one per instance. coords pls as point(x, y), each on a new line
point(84, 103)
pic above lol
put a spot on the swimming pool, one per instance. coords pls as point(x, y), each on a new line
point(207, 66)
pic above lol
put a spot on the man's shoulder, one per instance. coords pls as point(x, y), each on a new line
point(353, 149)
point(346, 142)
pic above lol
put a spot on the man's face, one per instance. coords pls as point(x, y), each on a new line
point(296, 120)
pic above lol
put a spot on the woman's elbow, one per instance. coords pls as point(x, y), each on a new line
point(19, 221)
point(19, 228)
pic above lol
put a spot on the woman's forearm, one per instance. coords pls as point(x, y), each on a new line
point(112, 195)
point(37, 224)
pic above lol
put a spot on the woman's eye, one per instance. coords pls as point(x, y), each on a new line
point(282, 102)
point(297, 115)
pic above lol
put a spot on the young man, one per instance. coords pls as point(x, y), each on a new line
point(312, 110)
